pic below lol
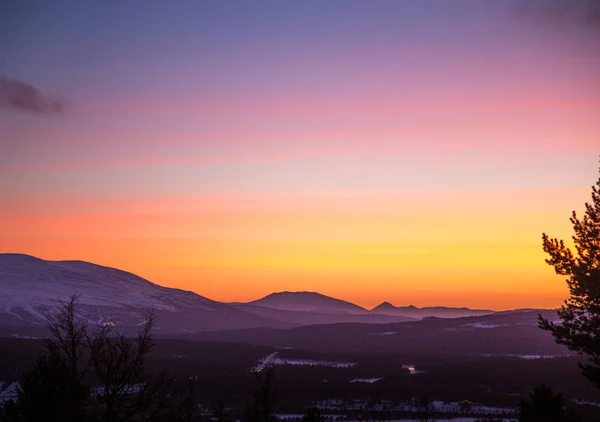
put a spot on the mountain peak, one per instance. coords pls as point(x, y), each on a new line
point(307, 301)
point(384, 305)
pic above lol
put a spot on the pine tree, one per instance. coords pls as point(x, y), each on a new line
point(579, 328)
point(544, 405)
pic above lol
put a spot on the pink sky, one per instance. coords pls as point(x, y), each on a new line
point(402, 153)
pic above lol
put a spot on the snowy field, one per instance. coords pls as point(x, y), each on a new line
point(365, 380)
point(310, 362)
point(273, 359)
point(412, 369)
point(460, 419)
point(526, 357)
point(386, 333)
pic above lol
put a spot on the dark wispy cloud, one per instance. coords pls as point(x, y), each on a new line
point(23, 97)
point(561, 12)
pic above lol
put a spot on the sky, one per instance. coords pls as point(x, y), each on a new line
point(404, 151)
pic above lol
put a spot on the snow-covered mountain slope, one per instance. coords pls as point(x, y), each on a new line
point(307, 302)
point(32, 288)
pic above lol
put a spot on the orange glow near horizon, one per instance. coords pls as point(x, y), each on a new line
point(482, 249)
point(403, 151)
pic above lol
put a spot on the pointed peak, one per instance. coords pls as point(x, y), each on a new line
point(384, 305)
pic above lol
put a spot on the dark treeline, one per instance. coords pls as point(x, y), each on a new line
point(84, 374)
point(101, 375)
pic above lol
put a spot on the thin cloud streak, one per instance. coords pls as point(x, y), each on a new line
point(561, 13)
point(22, 97)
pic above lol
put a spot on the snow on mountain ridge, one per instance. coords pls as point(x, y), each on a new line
point(31, 289)
point(29, 282)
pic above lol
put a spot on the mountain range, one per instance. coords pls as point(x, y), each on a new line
point(32, 288)
point(411, 311)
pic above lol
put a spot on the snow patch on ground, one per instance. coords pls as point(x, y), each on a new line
point(587, 403)
point(412, 369)
point(482, 325)
point(387, 333)
point(26, 337)
point(273, 359)
point(9, 392)
point(265, 362)
point(527, 357)
point(534, 357)
point(310, 362)
point(365, 380)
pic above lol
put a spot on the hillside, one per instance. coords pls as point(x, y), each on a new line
point(32, 288)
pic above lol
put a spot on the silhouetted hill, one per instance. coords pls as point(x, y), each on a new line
point(308, 302)
point(507, 333)
point(311, 318)
point(411, 311)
